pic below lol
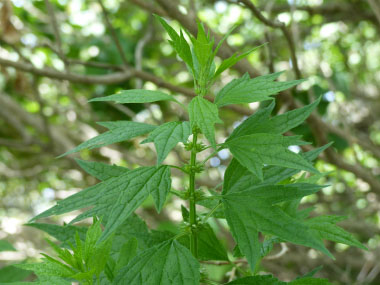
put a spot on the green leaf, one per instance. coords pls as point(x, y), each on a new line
point(150, 180)
point(256, 280)
point(179, 43)
point(13, 274)
point(118, 131)
point(224, 38)
point(65, 234)
point(132, 227)
point(270, 280)
point(6, 246)
point(204, 114)
point(167, 136)
point(118, 197)
point(43, 280)
point(49, 267)
point(254, 210)
point(136, 96)
point(227, 63)
point(166, 263)
point(247, 90)
point(311, 273)
point(253, 151)
point(249, 126)
point(282, 123)
point(310, 281)
point(267, 245)
point(237, 178)
point(101, 170)
point(209, 247)
point(260, 121)
point(127, 252)
point(324, 227)
point(203, 47)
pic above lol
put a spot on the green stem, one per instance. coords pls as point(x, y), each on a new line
point(212, 154)
point(211, 212)
point(193, 211)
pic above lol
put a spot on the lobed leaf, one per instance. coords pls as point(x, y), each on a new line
point(166, 263)
point(117, 198)
point(249, 126)
point(253, 151)
point(118, 131)
point(254, 210)
point(167, 136)
point(260, 121)
point(247, 90)
point(100, 170)
point(65, 234)
point(49, 267)
point(324, 227)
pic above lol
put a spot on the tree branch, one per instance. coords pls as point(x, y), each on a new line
point(113, 33)
point(276, 24)
point(376, 8)
point(112, 78)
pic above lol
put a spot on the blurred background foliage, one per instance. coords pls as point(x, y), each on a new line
point(57, 54)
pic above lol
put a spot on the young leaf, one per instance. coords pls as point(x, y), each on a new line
point(253, 211)
point(247, 90)
point(223, 39)
point(101, 170)
point(166, 263)
point(203, 47)
point(227, 63)
point(166, 137)
point(253, 151)
point(179, 43)
point(204, 114)
point(118, 131)
point(136, 96)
